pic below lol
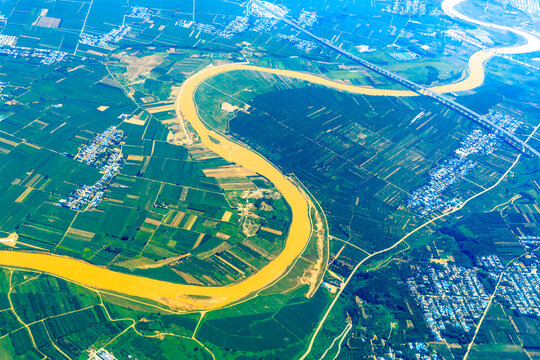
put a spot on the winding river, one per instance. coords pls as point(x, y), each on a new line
point(192, 297)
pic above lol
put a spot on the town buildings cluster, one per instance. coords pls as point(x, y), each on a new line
point(90, 154)
point(504, 121)
point(300, 44)
point(237, 26)
point(257, 19)
point(449, 296)
point(405, 55)
point(529, 241)
point(382, 350)
point(407, 7)
point(260, 20)
point(3, 84)
point(307, 19)
point(47, 56)
point(264, 24)
point(453, 296)
point(477, 142)
point(430, 197)
point(101, 354)
point(105, 40)
point(103, 153)
point(142, 13)
point(520, 286)
point(184, 23)
point(423, 352)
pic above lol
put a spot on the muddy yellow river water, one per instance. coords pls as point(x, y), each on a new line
point(208, 297)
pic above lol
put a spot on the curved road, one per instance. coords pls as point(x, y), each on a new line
point(192, 297)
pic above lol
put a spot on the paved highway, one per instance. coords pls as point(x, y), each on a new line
point(510, 138)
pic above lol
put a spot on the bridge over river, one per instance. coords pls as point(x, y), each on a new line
point(507, 136)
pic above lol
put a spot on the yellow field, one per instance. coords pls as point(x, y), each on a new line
point(32, 145)
point(152, 221)
point(132, 157)
point(226, 216)
point(161, 108)
point(272, 231)
point(81, 234)
point(23, 196)
point(222, 236)
point(9, 142)
point(177, 219)
point(228, 172)
point(190, 221)
point(198, 242)
point(135, 121)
